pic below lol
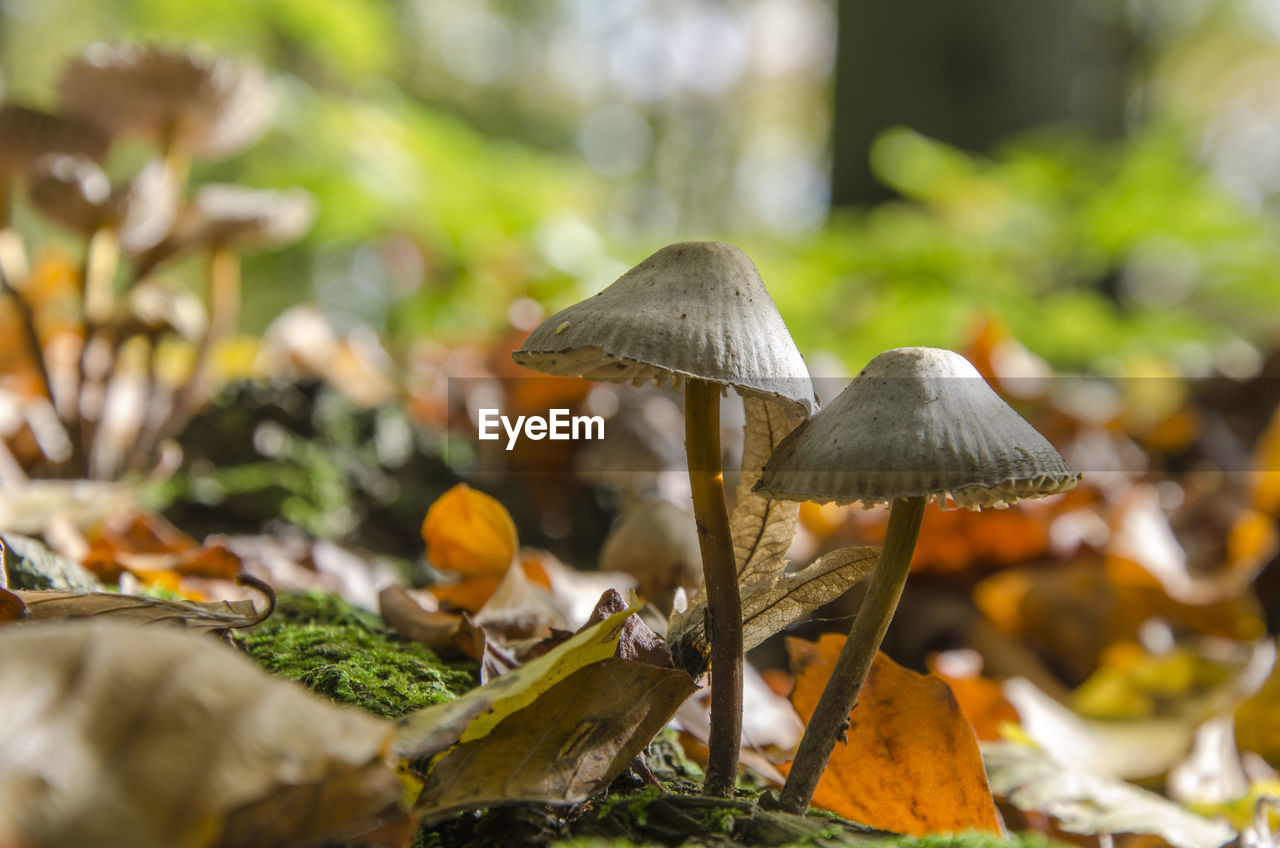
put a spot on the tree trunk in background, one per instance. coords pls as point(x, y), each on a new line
point(969, 72)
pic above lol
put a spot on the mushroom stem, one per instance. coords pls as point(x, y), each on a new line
point(830, 717)
point(102, 258)
point(706, 479)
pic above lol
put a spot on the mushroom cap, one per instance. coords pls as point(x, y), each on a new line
point(692, 310)
point(72, 190)
point(155, 309)
point(213, 106)
point(27, 134)
point(244, 217)
point(917, 422)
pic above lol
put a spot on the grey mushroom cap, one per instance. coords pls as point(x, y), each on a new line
point(72, 190)
point(692, 310)
point(917, 422)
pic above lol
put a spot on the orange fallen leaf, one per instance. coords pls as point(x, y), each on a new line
point(911, 764)
point(472, 593)
point(469, 532)
point(980, 698)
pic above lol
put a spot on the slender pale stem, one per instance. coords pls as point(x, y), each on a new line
point(97, 282)
point(706, 478)
point(827, 724)
point(224, 314)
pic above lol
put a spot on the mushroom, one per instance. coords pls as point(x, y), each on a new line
point(225, 219)
point(72, 190)
point(697, 314)
point(186, 103)
point(917, 423)
point(655, 542)
point(25, 135)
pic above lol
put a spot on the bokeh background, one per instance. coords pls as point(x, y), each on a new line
point(1101, 176)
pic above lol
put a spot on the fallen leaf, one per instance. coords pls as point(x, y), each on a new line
point(117, 735)
point(144, 609)
point(911, 763)
point(28, 564)
point(980, 698)
point(425, 734)
point(469, 532)
point(521, 607)
point(566, 745)
point(762, 528)
point(443, 632)
point(771, 606)
point(1086, 802)
point(11, 607)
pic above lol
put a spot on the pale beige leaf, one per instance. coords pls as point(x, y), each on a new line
point(1086, 802)
point(144, 609)
point(770, 606)
point(762, 528)
point(119, 735)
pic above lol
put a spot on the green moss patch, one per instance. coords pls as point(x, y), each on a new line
point(349, 656)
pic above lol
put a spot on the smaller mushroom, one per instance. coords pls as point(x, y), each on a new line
point(188, 104)
point(655, 542)
point(917, 423)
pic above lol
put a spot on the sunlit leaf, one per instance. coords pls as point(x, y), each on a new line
point(911, 763)
point(770, 606)
point(469, 532)
point(980, 699)
point(1084, 802)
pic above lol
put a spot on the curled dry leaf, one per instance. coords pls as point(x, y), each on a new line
point(144, 609)
point(116, 735)
point(911, 763)
point(1086, 802)
point(762, 527)
point(769, 607)
point(469, 532)
point(445, 633)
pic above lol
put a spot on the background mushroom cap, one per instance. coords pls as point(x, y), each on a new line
point(26, 134)
point(73, 191)
point(691, 310)
point(916, 422)
point(245, 217)
point(214, 106)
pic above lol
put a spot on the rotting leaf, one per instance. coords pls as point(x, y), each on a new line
point(144, 609)
point(911, 763)
point(1084, 802)
point(566, 745)
point(770, 606)
point(469, 532)
point(762, 528)
point(119, 735)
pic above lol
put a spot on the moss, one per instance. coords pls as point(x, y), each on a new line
point(349, 656)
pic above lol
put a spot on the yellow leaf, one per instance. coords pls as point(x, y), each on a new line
point(469, 532)
point(911, 764)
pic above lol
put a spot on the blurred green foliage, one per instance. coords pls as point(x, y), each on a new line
point(1085, 249)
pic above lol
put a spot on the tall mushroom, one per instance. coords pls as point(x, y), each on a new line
point(697, 314)
point(917, 423)
point(26, 135)
point(186, 103)
point(72, 190)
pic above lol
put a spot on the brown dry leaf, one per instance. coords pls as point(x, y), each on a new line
point(569, 743)
point(771, 607)
point(912, 763)
point(144, 609)
point(443, 632)
point(762, 528)
point(11, 607)
point(117, 735)
point(469, 532)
